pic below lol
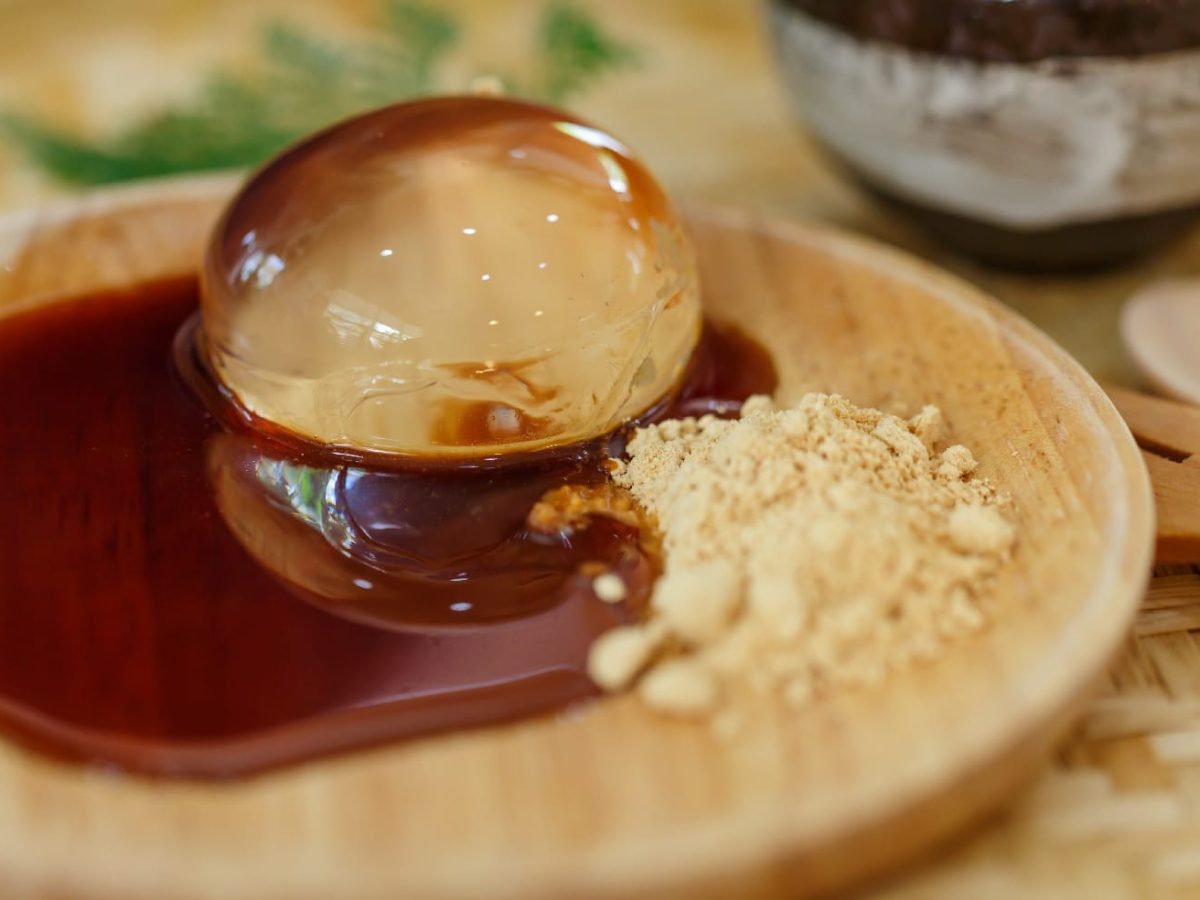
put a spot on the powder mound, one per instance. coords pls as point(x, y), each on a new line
point(805, 549)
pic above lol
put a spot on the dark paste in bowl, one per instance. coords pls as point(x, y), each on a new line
point(1043, 134)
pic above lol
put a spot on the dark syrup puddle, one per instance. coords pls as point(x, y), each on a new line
point(178, 598)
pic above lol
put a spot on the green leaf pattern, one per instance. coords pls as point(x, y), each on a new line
point(306, 82)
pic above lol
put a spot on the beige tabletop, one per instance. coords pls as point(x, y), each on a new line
point(1117, 813)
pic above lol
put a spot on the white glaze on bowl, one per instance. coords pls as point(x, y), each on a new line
point(1027, 147)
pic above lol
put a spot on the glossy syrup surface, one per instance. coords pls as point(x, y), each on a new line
point(182, 598)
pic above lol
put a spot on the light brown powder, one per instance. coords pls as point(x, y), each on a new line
point(568, 508)
point(805, 549)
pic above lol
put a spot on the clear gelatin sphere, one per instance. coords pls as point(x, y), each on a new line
point(457, 276)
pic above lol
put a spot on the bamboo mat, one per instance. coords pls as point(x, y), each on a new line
point(1117, 812)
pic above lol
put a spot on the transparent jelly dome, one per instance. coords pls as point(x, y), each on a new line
point(456, 276)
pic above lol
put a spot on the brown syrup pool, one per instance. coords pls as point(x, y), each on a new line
point(181, 598)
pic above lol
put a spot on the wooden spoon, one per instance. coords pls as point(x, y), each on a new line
point(1161, 329)
point(1169, 435)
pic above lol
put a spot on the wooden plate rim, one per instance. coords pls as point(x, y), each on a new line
point(748, 841)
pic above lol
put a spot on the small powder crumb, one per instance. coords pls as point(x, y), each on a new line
point(609, 587)
point(696, 604)
point(679, 687)
point(928, 425)
point(759, 404)
point(805, 550)
point(617, 657)
point(979, 529)
point(568, 508)
point(957, 462)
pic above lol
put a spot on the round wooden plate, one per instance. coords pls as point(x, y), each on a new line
point(613, 802)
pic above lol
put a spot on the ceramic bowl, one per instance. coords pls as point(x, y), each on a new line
point(1028, 133)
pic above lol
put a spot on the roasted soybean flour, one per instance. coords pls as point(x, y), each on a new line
point(810, 548)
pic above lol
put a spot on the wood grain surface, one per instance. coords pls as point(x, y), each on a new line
point(613, 802)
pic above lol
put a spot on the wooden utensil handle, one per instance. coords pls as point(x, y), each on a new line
point(1169, 435)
